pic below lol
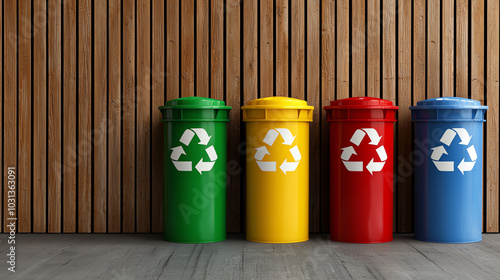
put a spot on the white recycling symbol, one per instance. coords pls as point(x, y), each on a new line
point(286, 166)
point(357, 166)
point(447, 138)
point(186, 138)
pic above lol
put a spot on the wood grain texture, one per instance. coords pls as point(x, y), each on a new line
point(250, 46)
point(9, 103)
point(129, 118)
point(389, 67)
point(297, 49)
point(202, 45)
point(448, 48)
point(328, 78)
point(40, 117)
point(266, 48)
point(217, 46)
point(404, 126)
point(54, 204)
point(100, 119)
point(358, 48)
point(235, 189)
point(313, 79)
point(462, 48)
point(158, 99)
point(173, 41)
point(433, 49)
point(492, 122)
point(69, 120)
point(84, 116)
point(419, 45)
point(282, 47)
point(343, 49)
point(373, 49)
point(143, 103)
point(114, 213)
point(477, 77)
point(25, 111)
point(187, 46)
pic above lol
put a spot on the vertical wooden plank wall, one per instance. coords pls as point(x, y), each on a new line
point(82, 80)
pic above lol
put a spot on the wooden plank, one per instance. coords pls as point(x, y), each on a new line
point(266, 48)
point(128, 119)
point(173, 40)
point(404, 125)
point(202, 45)
point(234, 216)
point(297, 49)
point(10, 104)
point(419, 77)
point(448, 49)
point(389, 67)
point(1, 114)
point(327, 95)
point(217, 47)
point(69, 116)
point(40, 118)
point(55, 117)
point(389, 51)
point(373, 49)
point(187, 48)
point(343, 44)
point(100, 129)
point(492, 123)
point(433, 49)
point(462, 48)
point(250, 61)
point(281, 48)
point(84, 116)
point(158, 99)
point(143, 156)
point(314, 99)
point(114, 117)
point(24, 141)
point(358, 48)
point(477, 77)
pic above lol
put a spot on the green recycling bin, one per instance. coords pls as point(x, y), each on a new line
point(194, 164)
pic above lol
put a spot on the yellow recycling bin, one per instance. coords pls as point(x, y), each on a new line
point(277, 166)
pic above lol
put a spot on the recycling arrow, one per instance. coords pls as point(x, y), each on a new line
point(437, 152)
point(287, 135)
point(374, 137)
point(447, 139)
point(261, 152)
point(464, 136)
point(202, 135)
point(466, 165)
point(347, 152)
point(356, 139)
point(186, 138)
point(288, 166)
point(269, 139)
point(373, 166)
point(204, 165)
point(177, 152)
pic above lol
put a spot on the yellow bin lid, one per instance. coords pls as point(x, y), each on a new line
point(277, 108)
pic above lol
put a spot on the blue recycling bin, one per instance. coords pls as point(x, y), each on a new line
point(448, 169)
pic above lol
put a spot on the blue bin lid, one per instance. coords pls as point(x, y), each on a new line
point(448, 109)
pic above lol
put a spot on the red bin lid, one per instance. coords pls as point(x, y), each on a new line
point(361, 109)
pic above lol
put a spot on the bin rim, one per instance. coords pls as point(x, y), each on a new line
point(361, 103)
point(270, 103)
point(449, 103)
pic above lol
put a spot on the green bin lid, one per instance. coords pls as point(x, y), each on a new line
point(195, 108)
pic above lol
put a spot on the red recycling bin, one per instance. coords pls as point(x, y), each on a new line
point(361, 169)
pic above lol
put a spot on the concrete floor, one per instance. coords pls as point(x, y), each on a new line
point(142, 256)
